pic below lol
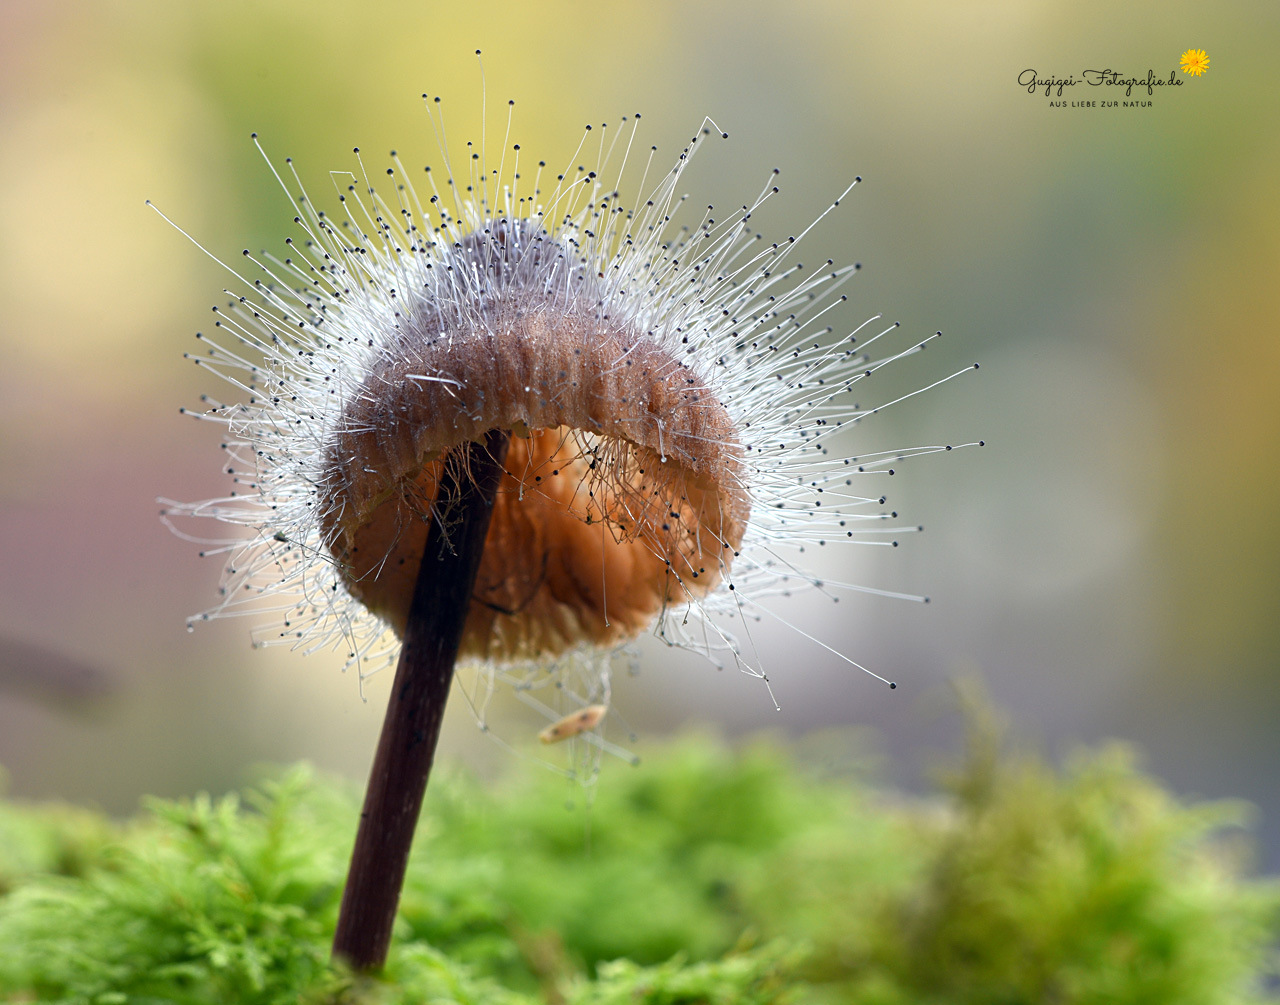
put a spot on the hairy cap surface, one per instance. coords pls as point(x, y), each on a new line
point(622, 491)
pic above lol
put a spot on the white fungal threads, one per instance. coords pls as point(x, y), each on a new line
point(672, 391)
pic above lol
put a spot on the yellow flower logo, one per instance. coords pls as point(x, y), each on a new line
point(1194, 61)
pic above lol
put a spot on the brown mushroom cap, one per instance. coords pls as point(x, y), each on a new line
point(623, 490)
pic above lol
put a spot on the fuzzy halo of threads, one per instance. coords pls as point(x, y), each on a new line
point(674, 383)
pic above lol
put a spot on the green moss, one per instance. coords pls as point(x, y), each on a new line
point(703, 876)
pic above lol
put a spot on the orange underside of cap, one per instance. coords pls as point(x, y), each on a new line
point(573, 556)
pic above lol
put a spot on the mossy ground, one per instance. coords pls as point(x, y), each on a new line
point(703, 876)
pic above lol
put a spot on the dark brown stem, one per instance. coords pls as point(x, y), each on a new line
point(441, 598)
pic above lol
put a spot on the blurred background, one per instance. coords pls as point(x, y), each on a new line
point(1109, 565)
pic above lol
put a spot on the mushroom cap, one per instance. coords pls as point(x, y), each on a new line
point(623, 489)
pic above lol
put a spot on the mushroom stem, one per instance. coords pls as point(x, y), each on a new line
point(406, 749)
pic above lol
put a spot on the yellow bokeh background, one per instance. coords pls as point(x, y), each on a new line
point(1109, 564)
